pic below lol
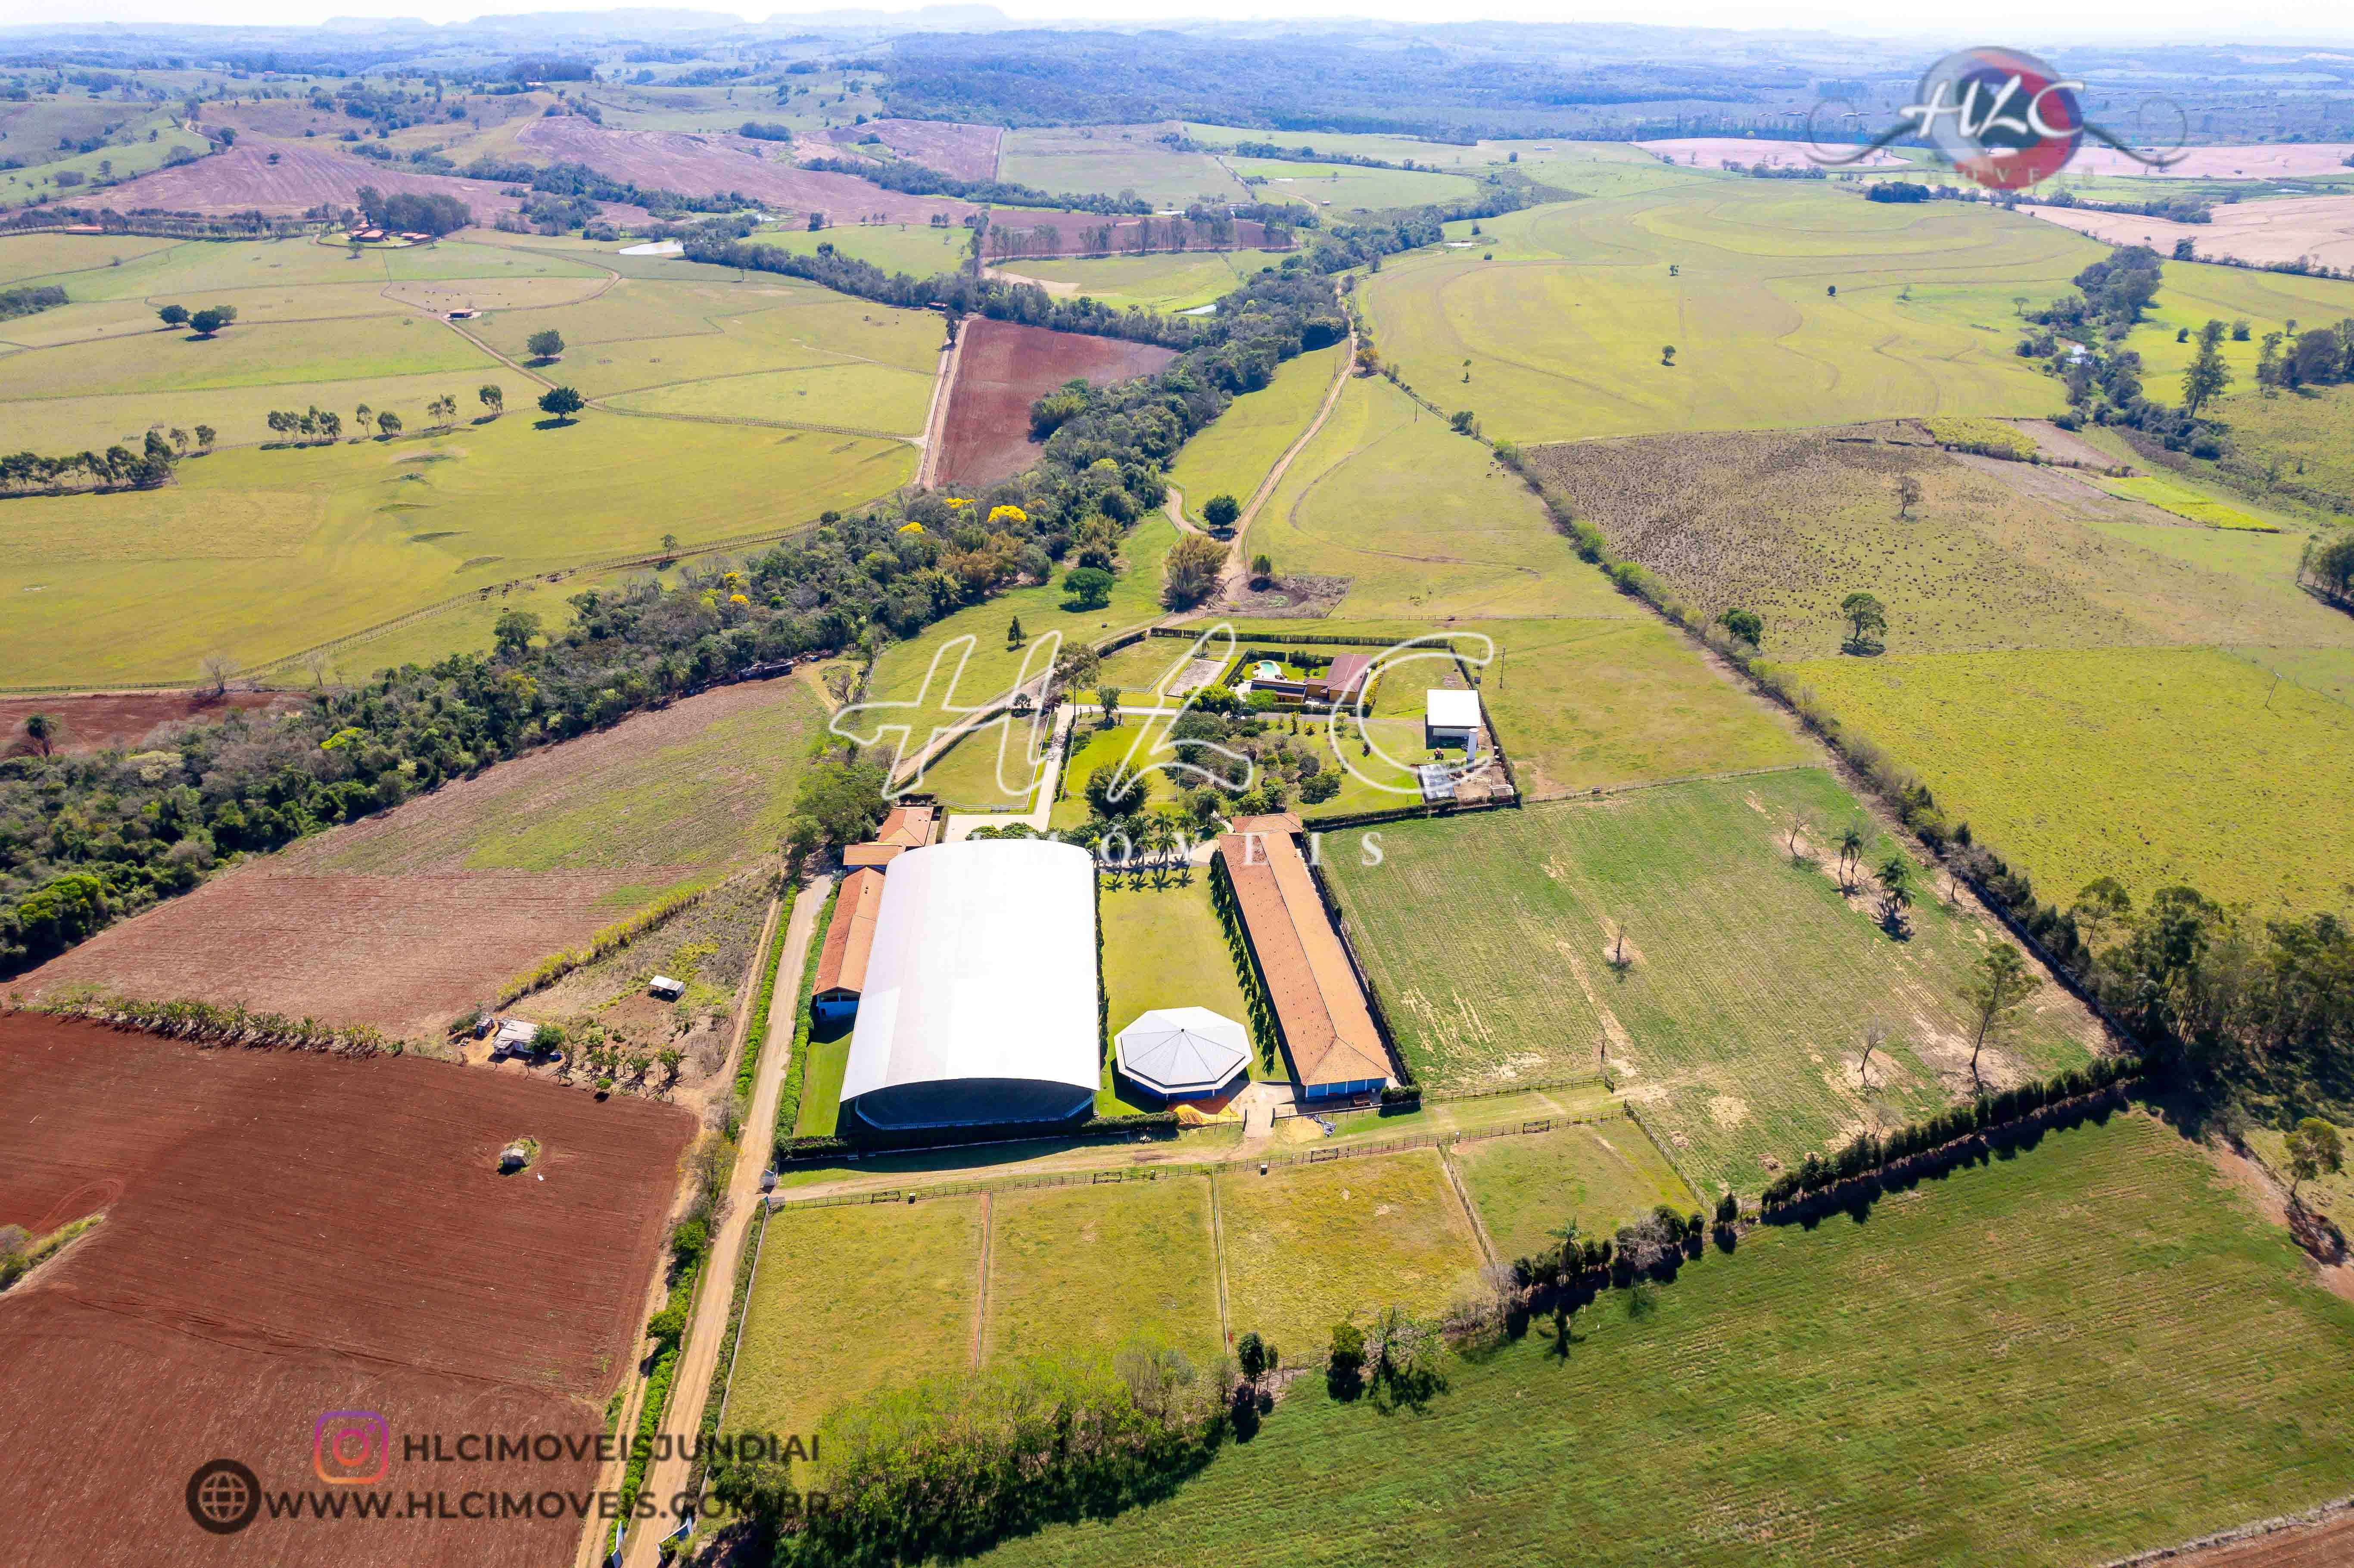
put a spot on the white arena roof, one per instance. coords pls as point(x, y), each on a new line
point(1181, 1051)
point(980, 1005)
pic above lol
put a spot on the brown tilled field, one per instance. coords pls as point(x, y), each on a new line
point(1001, 369)
point(961, 152)
point(2260, 232)
point(403, 920)
point(2327, 1545)
point(675, 160)
point(286, 1235)
point(304, 177)
point(93, 723)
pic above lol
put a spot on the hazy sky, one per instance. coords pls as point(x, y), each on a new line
point(2023, 22)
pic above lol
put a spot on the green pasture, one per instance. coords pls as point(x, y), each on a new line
point(1562, 330)
point(252, 354)
point(989, 770)
point(885, 399)
point(259, 554)
point(640, 335)
point(1307, 1247)
point(1348, 188)
point(1233, 456)
point(2328, 671)
point(2088, 1350)
point(852, 1300)
point(1600, 1177)
point(1423, 522)
point(1521, 982)
point(2192, 293)
point(1084, 1269)
point(904, 673)
point(2307, 436)
point(707, 796)
point(1108, 160)
point(34, 129)
point(1173, 280)
point(916, 248)
point(2157, 767)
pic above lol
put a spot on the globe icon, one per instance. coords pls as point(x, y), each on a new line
point(223, 1497)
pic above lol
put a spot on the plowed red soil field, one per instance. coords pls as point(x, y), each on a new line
point(1001, 369)
point(678, 161)
point(244, 179)
point(116, 718)
point(404, 920)
point(287, 1234)
point(405, 953)
point(963, 152)
point(2328, 1545)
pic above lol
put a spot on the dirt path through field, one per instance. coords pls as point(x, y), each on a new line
point(707, 1334)
point(1232, 577)
point(928, 469)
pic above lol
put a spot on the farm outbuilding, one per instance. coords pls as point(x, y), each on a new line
point(841, 963)
point(979, 1001)
point(1450, 717)
point(667, 988)
point(1320, 1008)
point(1183, 1053)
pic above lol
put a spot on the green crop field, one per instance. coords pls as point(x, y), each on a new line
point(2171, 495)
point(917, 249)
point(1563, 329)
point(1994, 555)
point(140, 586)
point(1233, 456)
point(1490, 940)
point(1423, 522)
point(1348, 188)
point(1082, 1269)
point(1108, 160)
point(809, 1345)
point(1177, 281)
point(2153, 766)
point(696, 785)
point(1602, 1177)
point(1310, 1246)
point(2085, 1351)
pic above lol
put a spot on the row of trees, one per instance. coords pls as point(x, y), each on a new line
point(205, 321)
point(116, 468)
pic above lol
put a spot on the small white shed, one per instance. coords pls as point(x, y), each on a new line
point(666, 988)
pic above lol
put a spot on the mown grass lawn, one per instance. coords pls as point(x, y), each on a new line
point(1089, 1268)
point(1310, 1246)
point(1602, 1176)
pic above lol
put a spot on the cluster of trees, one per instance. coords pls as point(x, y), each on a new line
point(580, 180)
point(1870, 1151)
point(914, 179)
point(2174, 209)
point(951, 1466)
point(410, 212)
point(204, 322)
point(116, 468)
point(2331, 568)
point(2103, 377)
point(24, 300)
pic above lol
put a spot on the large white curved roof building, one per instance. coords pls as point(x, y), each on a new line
point(980, 1005)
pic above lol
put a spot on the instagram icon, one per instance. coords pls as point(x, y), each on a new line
point(351, 1447)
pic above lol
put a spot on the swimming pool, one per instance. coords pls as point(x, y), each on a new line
point(1267, 669)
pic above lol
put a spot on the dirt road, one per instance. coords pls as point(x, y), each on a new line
point(707, 1334)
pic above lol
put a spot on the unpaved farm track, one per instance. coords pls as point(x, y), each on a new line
point(288, 1234)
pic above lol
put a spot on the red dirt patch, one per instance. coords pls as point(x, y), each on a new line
point(2327, 1545)
point(961, 152)
point(287, 1234)
point(244, 179)
point(405, 953)
point(1003, 369)
point(95, 722)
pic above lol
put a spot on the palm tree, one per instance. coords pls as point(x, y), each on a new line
point(42, 730)
point(1850, 851)
point(1158, 840)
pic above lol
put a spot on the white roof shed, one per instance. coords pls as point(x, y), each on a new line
point(1443, 709)
point(980, 1005)
point(1181, 1052)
